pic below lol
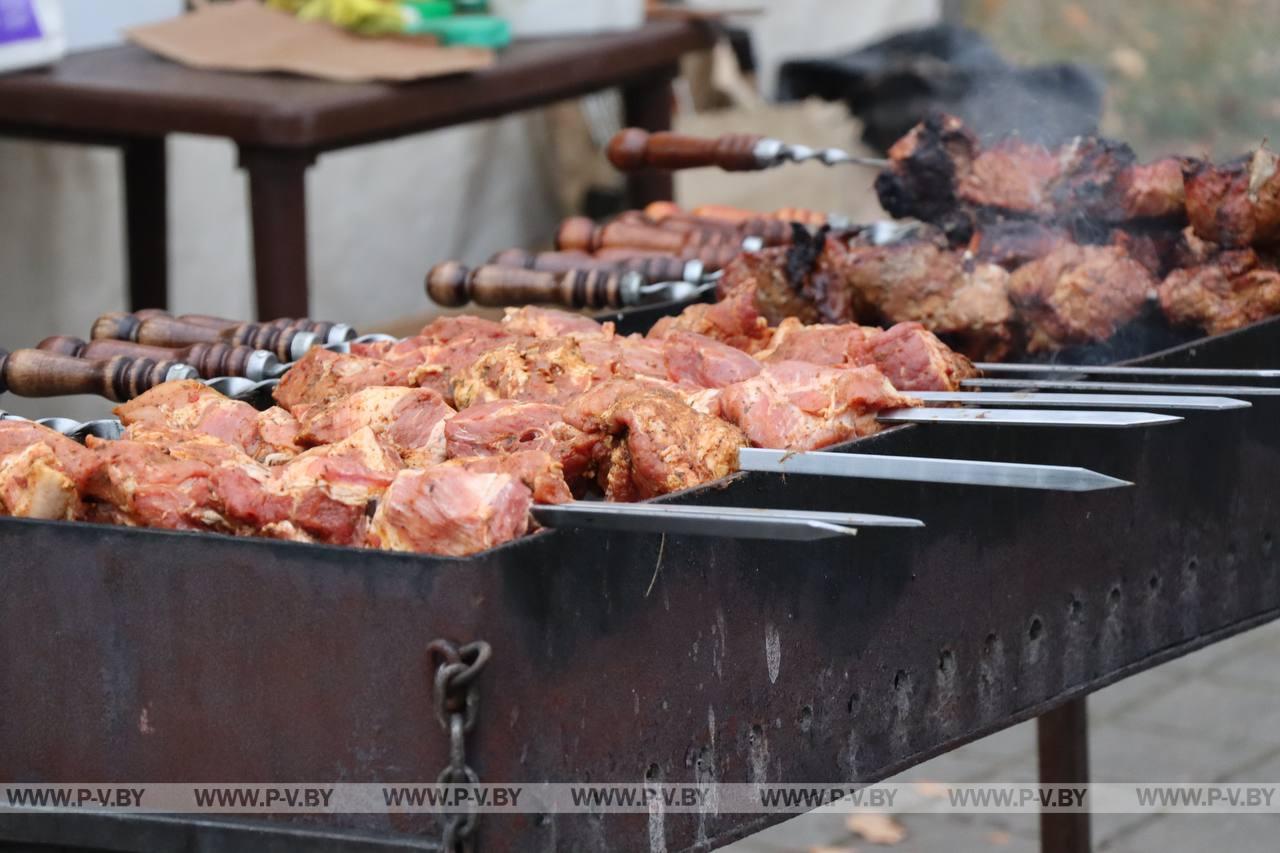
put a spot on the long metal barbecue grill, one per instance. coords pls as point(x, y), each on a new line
point(139, 654)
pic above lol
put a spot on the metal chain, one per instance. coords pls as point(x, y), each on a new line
point(457, 703)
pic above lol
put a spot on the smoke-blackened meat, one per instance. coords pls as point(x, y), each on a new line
point(1079, 294)
point(651, 441)
point(1010, 243)
point(1232, 290)
point(801, 406)
point(927, 166)
point(804, 280)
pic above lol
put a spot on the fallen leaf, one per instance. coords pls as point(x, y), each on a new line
point(876, 828)
point(932, 790)
point(999, 838)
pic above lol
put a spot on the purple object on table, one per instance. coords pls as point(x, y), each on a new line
point(18, 21)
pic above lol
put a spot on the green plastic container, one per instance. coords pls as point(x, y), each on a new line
point(470, 30)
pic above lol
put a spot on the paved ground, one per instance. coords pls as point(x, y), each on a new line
point(1211, 716)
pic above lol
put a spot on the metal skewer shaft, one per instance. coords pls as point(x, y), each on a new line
point(918, 469)
point(1114, 370)
point(1153, 387)
point(729, 522)
point(1025, 417)
point(1083, 401)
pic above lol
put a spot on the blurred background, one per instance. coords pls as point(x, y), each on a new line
point(1191, 76)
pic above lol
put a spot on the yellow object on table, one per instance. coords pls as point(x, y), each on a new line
point(366, 17)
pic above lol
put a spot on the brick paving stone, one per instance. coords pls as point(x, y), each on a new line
point(1199, 708)
point(1200, 834)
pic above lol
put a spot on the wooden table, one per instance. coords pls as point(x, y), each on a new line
point(127, 98)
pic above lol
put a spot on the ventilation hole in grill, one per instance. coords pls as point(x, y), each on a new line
point(946, 662)
point(1113, 597)
point(1154, 583)
point(653, 773)
point(1266, 544)
point(854, 699)
point(1075, 609)
point(900, 679)
point(805, 719)
point(1193, 565)
point(541, 820)
point(1036, 629)
point(989, 644)
point(757, 734)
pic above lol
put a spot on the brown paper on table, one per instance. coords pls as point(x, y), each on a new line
point(247, 36)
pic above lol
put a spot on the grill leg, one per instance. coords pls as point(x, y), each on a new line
point(647, 104)
point(278, 208)
point(146, 213)
point(1063, 743)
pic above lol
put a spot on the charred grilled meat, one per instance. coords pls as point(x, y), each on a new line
point(1078, 294)
point(1230, 291)
point(1237, 204)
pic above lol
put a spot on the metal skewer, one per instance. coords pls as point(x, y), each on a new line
point(917, 469)
point(1154, 387)
point(1025, 417)
point(1105, 401)
point(1115, 370)
point(774, 152)
point(729, 522)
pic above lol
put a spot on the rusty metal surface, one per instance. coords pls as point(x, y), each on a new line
point(141, 655)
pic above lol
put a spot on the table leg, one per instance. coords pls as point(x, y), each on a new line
point(647, 104)
point(146, 214)
point(1063, 742)
point(278, 208)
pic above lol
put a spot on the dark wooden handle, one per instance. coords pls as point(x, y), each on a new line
point(712, 258)
point(657, 267)
point(453, 284)
point(37, 373)
point(772, 232)
point(634, 149)
point(321, 328)
point(546, 261)
point(162, 330)
point(209, 359)
point(582, 235)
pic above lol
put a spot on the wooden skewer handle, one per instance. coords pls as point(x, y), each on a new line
point(772, 232)
point(170, 332)
point(654, 268)
point(712, 258)
point(453, 284)
point(321, 328)
point(37, 373)
point(634, 149)
point(579, 234)
point(209, 359)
